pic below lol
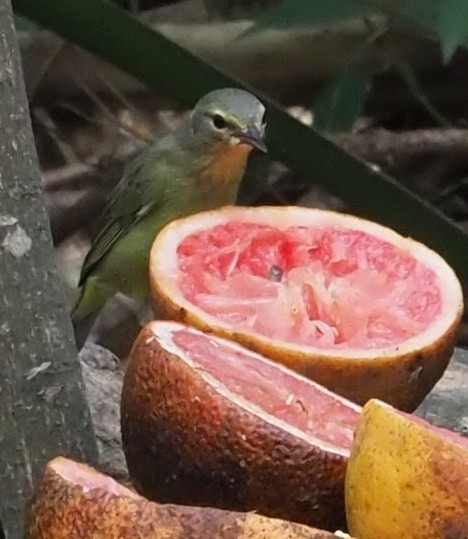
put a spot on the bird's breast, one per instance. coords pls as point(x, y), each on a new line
point(226, 166)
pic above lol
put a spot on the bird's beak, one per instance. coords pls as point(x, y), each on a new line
point(253, 137)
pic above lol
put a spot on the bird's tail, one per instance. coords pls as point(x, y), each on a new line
point(91, 300)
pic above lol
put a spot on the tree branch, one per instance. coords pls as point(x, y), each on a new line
point(43, 412)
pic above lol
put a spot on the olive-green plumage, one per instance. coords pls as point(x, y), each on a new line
point(197, 167)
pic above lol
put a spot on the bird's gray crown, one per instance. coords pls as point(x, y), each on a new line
point(233, 102)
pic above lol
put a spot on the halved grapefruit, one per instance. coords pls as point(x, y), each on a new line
point(344, 301)
point(406, 478)
point(75, 501)
point(208, 422)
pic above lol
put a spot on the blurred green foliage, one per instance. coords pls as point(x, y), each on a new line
point(447, 19)
point(107, 31)
point(312, 13)
point(343, 99)
point(345, 96)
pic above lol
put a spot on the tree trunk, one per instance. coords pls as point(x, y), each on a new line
point(43, 411)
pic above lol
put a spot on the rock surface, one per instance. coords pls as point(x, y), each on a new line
point(447, 404)
point(102, 378)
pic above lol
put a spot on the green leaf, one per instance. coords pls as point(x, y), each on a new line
point(312, 13)
point(448, 19)
point(342, 101)
point(113, 35)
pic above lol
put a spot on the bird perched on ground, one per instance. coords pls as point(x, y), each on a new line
point(198, 167)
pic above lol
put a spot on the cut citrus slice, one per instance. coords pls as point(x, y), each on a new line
point(75, 501)
point(347, 302)
point(406, 478)
point(208, 422)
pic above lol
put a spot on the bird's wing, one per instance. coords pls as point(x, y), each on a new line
point(130, 202)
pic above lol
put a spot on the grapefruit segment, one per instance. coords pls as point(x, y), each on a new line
point(406, 478)
point(74, 500)
point(306, 407)
point(353, 288)
point(345, 301)
point(208, 422)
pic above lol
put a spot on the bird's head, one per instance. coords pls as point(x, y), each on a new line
point(231, 116)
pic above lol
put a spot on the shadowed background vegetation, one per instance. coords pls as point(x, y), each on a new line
point(366, 103)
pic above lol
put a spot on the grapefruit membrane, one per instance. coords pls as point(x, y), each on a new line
point(208, 422)
point(335, 297)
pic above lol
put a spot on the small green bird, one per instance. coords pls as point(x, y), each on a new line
point(198, 167)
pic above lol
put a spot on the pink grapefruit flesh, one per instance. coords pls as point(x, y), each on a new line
point(313, 285)
point(88, 479)
point(292, 399)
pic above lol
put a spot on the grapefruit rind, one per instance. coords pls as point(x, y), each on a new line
point(401, 375)
point(406, 478)
point(162, 332)
point(73, 498)
point(188, 440)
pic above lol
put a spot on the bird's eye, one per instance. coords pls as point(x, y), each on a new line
point(219, 122)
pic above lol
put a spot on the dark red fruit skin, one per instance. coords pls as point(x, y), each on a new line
point(187, 444)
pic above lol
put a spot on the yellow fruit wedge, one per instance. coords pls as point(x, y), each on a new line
point(406, 478)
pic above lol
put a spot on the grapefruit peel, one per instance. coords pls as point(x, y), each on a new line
point(72, 498)
point(406, 478)
point(166, 331)
point(401, 374)
point(190, 435)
